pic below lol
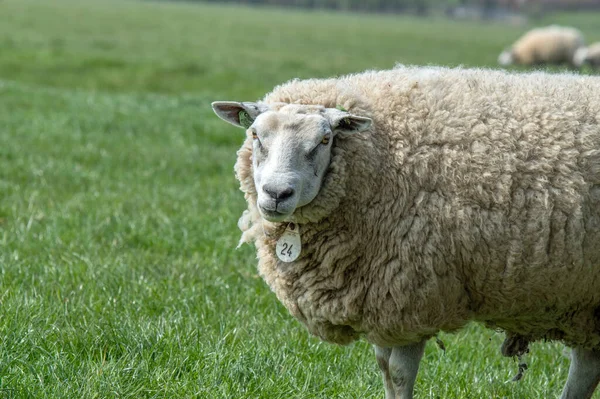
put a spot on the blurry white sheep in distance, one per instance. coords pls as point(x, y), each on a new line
point(548, 45)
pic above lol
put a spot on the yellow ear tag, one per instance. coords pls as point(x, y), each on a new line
point(289, 244)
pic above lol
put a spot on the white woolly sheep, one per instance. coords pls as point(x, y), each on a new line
point(393, 205)
point(588, 55)
point(547, 45)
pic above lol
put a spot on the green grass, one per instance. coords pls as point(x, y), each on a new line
point(119, 276)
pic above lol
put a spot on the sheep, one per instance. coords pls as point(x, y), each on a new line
point(547, 45)
point(392, 205)
point(588, 55)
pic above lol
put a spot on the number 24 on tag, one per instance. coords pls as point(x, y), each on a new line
point(289, 245)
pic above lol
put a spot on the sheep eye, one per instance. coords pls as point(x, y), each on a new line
point(254, 135)
point(326, 139)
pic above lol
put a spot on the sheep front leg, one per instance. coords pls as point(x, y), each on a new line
point(584, 374)
point(399, 366)
point(383, 360)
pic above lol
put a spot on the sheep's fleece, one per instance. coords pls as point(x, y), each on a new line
point(474, 195)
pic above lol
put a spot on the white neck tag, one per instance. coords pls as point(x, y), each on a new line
point(288, 246)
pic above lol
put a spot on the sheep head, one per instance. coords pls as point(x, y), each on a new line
point(580, 57)
point(506, 58)
point(291, 149)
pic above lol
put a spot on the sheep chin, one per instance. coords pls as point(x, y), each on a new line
point(274, 216)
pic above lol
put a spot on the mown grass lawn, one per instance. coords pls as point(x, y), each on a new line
point(119, 276)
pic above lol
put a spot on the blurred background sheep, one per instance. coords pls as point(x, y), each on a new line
point(547, 45)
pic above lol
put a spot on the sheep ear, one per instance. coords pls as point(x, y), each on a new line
point(238, 114)
point(345, 123)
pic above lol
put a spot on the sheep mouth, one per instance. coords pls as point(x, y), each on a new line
point(273, 215)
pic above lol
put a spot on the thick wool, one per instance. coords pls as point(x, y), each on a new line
point(475, 195)
point(552, 44)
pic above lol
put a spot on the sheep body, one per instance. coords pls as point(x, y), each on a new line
point(546, 45)
point(475, 196)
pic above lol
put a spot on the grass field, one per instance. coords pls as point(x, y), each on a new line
point(119, 276)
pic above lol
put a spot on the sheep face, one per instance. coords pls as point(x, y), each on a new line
point(580, 57)
point(290, 156)
point(291, 149)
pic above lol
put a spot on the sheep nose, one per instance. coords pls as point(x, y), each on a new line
point(277, 193)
